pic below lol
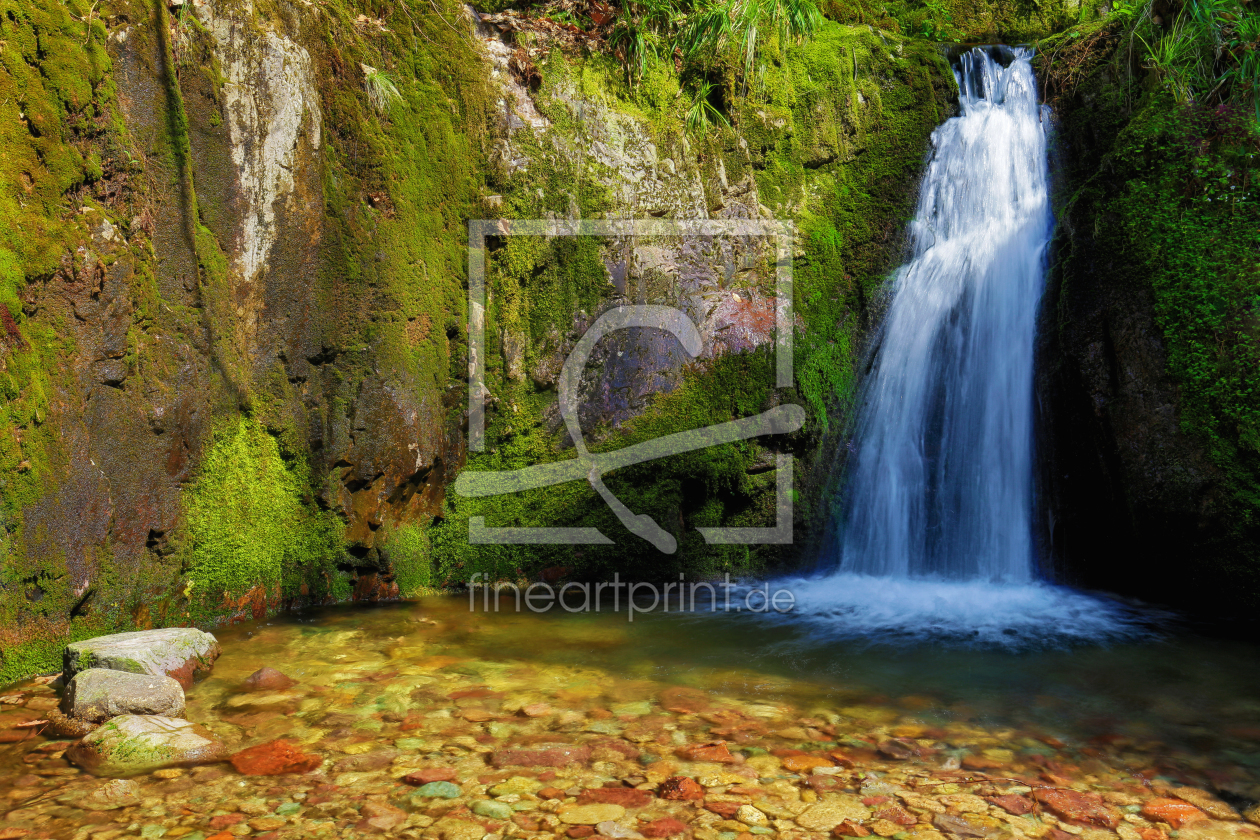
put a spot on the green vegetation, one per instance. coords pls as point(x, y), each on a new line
point(1188, 222)
point(250, 526)
point(1208, 54)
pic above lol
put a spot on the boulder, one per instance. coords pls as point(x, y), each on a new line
point(132, 744)
point(98, 694)
point(182, 653)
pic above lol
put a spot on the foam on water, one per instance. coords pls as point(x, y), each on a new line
point(972, 613)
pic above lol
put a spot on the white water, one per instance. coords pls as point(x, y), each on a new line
point(936, 538)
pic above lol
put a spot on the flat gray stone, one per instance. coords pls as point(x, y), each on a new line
point(182, 653)
point(132, 744)
point(98, 694)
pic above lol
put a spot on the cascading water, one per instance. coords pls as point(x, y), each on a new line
point(936, 537)
point(942, 479)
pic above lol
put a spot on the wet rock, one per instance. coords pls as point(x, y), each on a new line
point(579, 831)
point(980, 762)
point(884, 828)
point(61, 726)
point(1078, 807)
point(1206, 802)
point(615, 831)
point(623, 796)
point(804, 763)
point(381, 816)
point(493, 810)
point(715, 751)
point(553, 756)
point(684, 701)
point(439, 790)
point(898, 816)
point(265, 824)
point(824, 816)
point(848, 828)
point(98, 694)
point(725, 810)
point(680, 788)
point(959, 826)
point(132, 744)
point(516, 785)
point(275, 758)
point(375, 760)
point(1013, 803)
point(430, 774)
point(749, 815)
point(899, 748)
point(664, 827)
point(182, 653)
point(536, 710)
point(119, 793)
point(1175, 812)
point(268, 679)
point(589, 814)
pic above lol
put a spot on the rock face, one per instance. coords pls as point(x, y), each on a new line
point(211, 294)
point(132, 744)
point(182, 653)
point(1151, 477)
point(98, 694)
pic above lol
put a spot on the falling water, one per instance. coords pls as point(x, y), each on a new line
point(942, 479)
point(936, 537)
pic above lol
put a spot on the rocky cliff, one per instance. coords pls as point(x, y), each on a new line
point(234, 341)
point(1150, 349)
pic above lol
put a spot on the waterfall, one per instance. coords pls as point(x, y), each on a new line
point(942, 479)
point(936, 537)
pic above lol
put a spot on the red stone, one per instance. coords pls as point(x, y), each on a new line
point(680, 788)
point(1059, 834)
point(684, 701)
point(725, 810)
point(848, 828)
point(430, 774)
point(225, 820)
point(1152, 834)
point(664, 827)
point(550, 757)
point(268, 679)
point(712, 751)
point(275, 758)
point(1172, 811)
point(1075, 806)
point(623, 796)
point(872, 801)
point(1013, 803)
point(896, 815)
point(840, 759)
point(551, 793)
point(979, 762)
point(580, 830)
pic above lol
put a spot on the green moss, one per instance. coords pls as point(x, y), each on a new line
point(1187, 222)
point(407, 551)
point(249, 523)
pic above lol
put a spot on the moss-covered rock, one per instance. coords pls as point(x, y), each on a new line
point(1151, 352)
